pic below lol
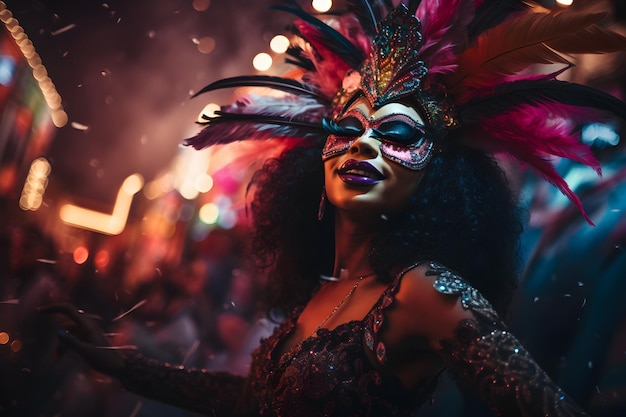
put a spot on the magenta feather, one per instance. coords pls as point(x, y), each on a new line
point(534, 136)
point(444, 30)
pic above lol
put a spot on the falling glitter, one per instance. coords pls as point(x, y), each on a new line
point(136, 410)
point(122, 347)
point(133, 308)
point(192, 349)
point(46, 261)
point(63, 29)
point(79, 126)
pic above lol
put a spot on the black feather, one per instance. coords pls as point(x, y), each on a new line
point(492, 12)
point(226, 117)
point(369, 13)
point(413, 5)
point(297, 58)
point(277, 83)
point(338, 43)
point(510, 95)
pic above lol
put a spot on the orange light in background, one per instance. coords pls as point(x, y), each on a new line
point(565, 2)
point(16, 345)
point(201, 5)
point(110, 224)
point(102, 259)
point(4, 338)
point(205, 44)
point(81, 254)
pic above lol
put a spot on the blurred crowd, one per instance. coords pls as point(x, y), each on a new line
point(200, 314)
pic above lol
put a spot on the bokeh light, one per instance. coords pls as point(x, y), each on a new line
point(206, 45)
point(201, 5)
point(565, 2)
point(16, 345)
point(208, 111)
point(279, 44)
point(209, 213)
point(262, 62)
point(4, 338)
point(322, 6)
point(204, 183)
point(102, 259)
point(80, 255)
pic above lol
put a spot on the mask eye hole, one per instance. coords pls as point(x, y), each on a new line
point(399, 132)
point(347, 126)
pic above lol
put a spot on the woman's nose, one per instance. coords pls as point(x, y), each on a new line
point(365, 145)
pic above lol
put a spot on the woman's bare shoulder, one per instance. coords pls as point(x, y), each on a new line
point(430, 302)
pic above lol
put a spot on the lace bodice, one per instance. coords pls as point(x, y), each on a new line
point(332, 374)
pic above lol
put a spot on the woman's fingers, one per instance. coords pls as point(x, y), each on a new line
point(81, 332)
point(82, 325)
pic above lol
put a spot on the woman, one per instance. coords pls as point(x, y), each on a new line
point(387, 232)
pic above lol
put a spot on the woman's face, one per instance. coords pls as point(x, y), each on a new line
point(373, 158)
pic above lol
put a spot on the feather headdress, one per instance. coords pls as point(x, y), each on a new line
point(470, 64)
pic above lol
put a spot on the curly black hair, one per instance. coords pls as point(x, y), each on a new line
point(462, 215)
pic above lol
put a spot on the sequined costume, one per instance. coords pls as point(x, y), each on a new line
point(341, 372)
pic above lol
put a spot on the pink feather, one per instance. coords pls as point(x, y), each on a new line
point(534, 134)
point(444, 30)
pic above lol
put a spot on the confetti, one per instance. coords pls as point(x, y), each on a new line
point(122, 347)
point(79, 126)
point(63, 29)
point(47, 261)
point(133, 308)
point(136, 410)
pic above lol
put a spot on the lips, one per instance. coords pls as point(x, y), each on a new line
point(355, 172)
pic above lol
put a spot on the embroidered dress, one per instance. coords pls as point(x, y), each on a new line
point(341, 372)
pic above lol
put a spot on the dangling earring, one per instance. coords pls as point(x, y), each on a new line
point(322, 207)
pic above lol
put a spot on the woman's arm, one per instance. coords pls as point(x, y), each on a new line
point(482, 351)
point(212, 393)
point(465, 330)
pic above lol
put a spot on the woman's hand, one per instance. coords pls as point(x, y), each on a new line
point(81, 332)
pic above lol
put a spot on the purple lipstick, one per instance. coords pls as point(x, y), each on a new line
point(362, 173)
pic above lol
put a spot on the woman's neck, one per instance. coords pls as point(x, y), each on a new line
point(352, 244)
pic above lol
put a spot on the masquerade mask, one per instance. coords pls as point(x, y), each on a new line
point(403, 140)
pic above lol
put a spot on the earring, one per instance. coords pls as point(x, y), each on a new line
point(322, 206)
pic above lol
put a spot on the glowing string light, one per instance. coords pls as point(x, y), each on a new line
point(50, 94)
